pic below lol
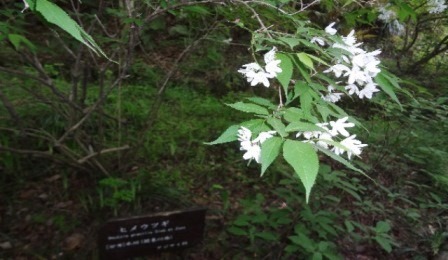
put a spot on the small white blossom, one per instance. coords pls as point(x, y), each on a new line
point(352, 89)
point(26, 6)
point(356, 75)
point(263, 136)
point(330, 30)
point(436, 6)
point(337, 69)
point(339, 127)
point(318, 40)
point(272, 64)
point(332, 96)
point(273, 69)
point(252, 148)
point(255, 74)
point(368, 90)
point(350, 39)
point(353, 147)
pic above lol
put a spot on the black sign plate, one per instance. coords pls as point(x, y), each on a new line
point(150, 234)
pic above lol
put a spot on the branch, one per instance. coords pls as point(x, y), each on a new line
point(109, 150)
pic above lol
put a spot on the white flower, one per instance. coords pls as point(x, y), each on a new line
point(331, 96)
point(352, 89)
point(339, 127)
point(318, 40)
point(244, 134)
point(254, 152)
point(252, 148)
point(255, 74)
point(323, 140)
point(26, 6)
point(273, 69)
point(350, 39)
point(263, 136)
point(368, 90)
point(436, 6)
point(270, 55)
point(330, 30)
point(337, 69)
point(352, 146)
point(356, 75)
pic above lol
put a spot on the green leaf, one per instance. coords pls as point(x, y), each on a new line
point(385, 243)
point(306, 99)
point(249, 108)
point(55, 15)
point(285, 76)
point(292, 42)
point(339, 159)
point(17, 39)
point(269, 152)
point(387, 87)
point(303, 159)
point(230, 135)
point(305, 59)
point(382, 227)
point(302, 127)
point(267, 236)
point(293, 114)
point(317, 59)
point(278, 126)
point(304, 241)
point(303, 71)
point(263, 102)
point(237, 231)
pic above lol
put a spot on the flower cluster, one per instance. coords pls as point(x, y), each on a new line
point(331, 130)
point(252, 147)
point(389, 17)
point(255, 74)
point(436, 6)
point(386, 15)
point(358, 65)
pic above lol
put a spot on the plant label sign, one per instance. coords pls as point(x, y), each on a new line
point(151, 234)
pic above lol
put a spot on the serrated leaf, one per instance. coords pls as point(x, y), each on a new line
point(285, 76)
point(249, 108)
point(305, 59)
point(306, 98)
point(292, 42)
point(230, 135)
point(317, 59)
point(303, 159)
point(263, 102)
point(293, 114)
point(278, 126)
point(387, 87)
point(269, 152)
